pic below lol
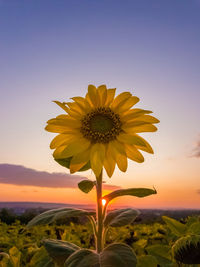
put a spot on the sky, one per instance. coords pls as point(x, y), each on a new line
point(51, 50)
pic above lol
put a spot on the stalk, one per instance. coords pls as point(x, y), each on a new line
point(99, 238)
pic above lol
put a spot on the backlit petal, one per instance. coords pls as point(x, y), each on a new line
point(127, 104)
point(97, 155)
point(133, 154)
point(148, 118)
point(145, 127)
point(73, 148)
point(62, 105)
point(102, 94)
point(58, 129)
point(131, 139)
point(122, 162)
point(60, 140)
point(120, 99)
point(92, 93)
point(79, 160)
point(110, 96)
point(109, 162)
point(133, 113)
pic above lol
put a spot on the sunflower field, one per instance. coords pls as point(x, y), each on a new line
point(154, 244)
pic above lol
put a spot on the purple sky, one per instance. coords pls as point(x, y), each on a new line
point(51, 50)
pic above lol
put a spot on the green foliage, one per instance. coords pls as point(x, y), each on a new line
point(121, 217)
point(116, 255)
point(175, 226)
point(162, 253)
point(150, 242)
point(86, 185)
point(147, 261)
point(59, 250)
point(55, 214)
point(41, 259)
point(137, 192)
point(66, 163)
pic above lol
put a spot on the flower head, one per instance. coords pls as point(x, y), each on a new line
point(187, 249)
point(100, 130)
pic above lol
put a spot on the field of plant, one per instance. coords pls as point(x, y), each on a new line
point(152, 243)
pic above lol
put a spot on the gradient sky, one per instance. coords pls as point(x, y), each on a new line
point(51, 50)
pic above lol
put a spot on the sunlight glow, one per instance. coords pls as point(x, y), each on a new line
point(103, 202)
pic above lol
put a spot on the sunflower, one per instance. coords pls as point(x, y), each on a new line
point(187, 249)
point(100, 130)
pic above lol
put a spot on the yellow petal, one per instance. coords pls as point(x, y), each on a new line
point(109, 165)
point(72, 149)
point(145, 127)
point(92, 93)
point(146, 148)
point(69, 122)
point(62, 105)
point(57, 128)
point(133, 113)
point(75, 115)
point(60, 117)
point(82, 103)
point(127, 104)
point(148, 118)
point(133, 123)
point(119, 99)
point(117, 147)
point(102, 93)
point(60, 140)
point(75, 107)
point(109, 162)
point(131, 139)
point(79, 160)
point(133, 154)
point(89, 101)
point(58, 151)
point(110, 96)
point(97, 155)
point(122, 162)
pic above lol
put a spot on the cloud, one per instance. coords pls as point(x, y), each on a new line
point(20, 175)
point(198, 191)
point(196, 150)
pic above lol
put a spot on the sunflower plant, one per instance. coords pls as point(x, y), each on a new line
point(98, 132)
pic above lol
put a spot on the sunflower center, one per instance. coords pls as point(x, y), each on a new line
point(101, 125)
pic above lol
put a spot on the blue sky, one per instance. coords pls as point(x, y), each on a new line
point(51, 50)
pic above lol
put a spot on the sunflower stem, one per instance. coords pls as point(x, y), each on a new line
point(99, 238)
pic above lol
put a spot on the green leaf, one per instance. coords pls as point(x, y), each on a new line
point(121, 217)
point(175, 226)
point(86, 185)
point(194, 229)
point(83, 258)
point(66, 163)
point(162, 253)
point(15, 256)
point(55, 214)
point(137, 192)
point(116, 255)
point(41, 259)
point(147, 261)
point(59, 250)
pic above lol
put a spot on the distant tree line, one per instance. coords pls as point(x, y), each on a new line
point(9, 216)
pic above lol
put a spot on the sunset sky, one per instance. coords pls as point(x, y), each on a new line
point(51, 50)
